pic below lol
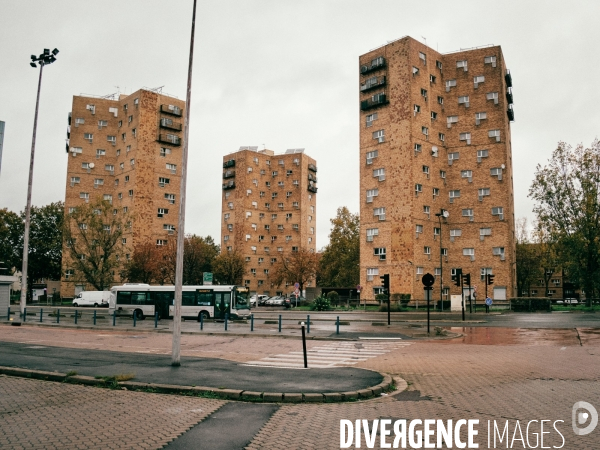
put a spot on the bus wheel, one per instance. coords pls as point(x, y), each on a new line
point(204, 315)
point(139, 315)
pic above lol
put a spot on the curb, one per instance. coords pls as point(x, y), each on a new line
point(224, 394)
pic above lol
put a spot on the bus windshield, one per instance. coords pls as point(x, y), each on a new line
point(241, 298)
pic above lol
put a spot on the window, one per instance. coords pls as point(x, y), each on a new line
point(426, 170)
point(100, 152)
point(134, 134)
point(226, 217)
point(172, 168)
point(371, 273)
point(124, 136)
point(468, 212)
point(423, 58)
point(484, 192)
point(419, 229)
point(69, 273)
point(424, 93)
point(415, 71)
point(498, 251)
point(371, 156)
point(268, 184)
point(462, 64)
point(371, 233)
point(484, 232)
point(76, 150)
point(165, 151)
point(380, 252)
point(379, 173)
point(131, 192)
point(419, 271)
point(427, 250)
point(432, 79)
point(280, 183)
point(294, 249)
point(126, 178)
point(85, 196)
point(274, 173)
point(162, 212)
point(288, 216)
point(125, 209)
point(170, 198)
point(490, 60)
point(119, 152)
point(433, 115)
point(287, 238)
point(436, 192)
point(450, 120)
point(440, 100)
point(288, 173)
point(482, 154)
point(379, 136)
point(457, 232)
point(494, 134)
point(107, 197)
point(467, 174)
point(465, 137)
point(498, 211)
point(418, 188)
point(453, 157)
point(372, 193)
point(75, 180)
point(370, 119)
point(450, 84)
point(454, 194)
point(416, 109)
point(469, 252)
point(477, 80)
point(425, 131)
point(132, 161)
point(379, 212)
point(280, 205)
point(418, 148)
point(437, 231)
point(479, 117)
point(288, 194)
point(443, 174)
point(273, 195)
point(88, 137)
point(434, 150)
point(464, 100)
point(163, 181)
point(496, 172)
point(492, 96)
point(79, 121)
point(98, 182)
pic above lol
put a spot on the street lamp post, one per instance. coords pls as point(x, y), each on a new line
point(443, 213)
point(44, 59)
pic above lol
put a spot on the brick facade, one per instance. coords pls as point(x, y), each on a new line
point(416, 159)
point(269, 210)
point(135, 141)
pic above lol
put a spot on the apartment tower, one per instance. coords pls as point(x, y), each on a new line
point(125, 150)
point(269, 210)
point(435, 141)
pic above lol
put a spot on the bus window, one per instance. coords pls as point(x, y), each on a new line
point(138, 298)
point(123, 298)
point(241, 298)
point(205, 297)
point(188, 299)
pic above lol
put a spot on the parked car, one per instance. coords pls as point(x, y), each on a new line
point(257, 299)
point(262, 299)
point(290, 302)
point(92, 298)
point(277, 300)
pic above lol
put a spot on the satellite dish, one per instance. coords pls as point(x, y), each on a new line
point(503, 166)
point(92, 165)
point(445, 214)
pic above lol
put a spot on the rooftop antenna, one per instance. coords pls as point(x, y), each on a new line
point(264, 146)
point(425, 39)
point(118, 90)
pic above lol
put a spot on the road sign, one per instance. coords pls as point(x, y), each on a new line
point(358, 288)
point(296, 285)
point(207, 278)
point(474, 294)
point(296, 292)
point(488, 301)
point(428, 280)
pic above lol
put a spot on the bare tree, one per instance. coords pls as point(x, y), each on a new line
point(296, 267)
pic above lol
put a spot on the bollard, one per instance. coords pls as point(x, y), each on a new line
point(156, 319)
point(307, 324)
point(24, 314)
point(58, 316)
point(280, 323)
point(95, 317)
point(304, 347)
point(337, 325)
point(226, 319)
point(41, 314)
point(251, 322)
point(134, 319)
point(114, 317)
point(8, 313)
point(75, 317)
point(201, 321)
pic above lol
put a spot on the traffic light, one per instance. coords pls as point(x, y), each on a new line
point(456, 278)
point(490, 279)
point(385, 279)
point(467, 279)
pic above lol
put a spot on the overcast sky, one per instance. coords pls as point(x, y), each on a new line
point(283, 74)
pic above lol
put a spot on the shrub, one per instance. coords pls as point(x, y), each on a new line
point(333, 297)
point(320, 304)
point(381, 298)
point(394, 307)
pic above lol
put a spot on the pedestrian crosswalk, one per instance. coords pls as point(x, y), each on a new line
point(333, 354)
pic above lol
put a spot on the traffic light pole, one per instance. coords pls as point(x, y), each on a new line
point(471, 299)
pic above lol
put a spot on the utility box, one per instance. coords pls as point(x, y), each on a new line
point(456, 303)
point(5, 284)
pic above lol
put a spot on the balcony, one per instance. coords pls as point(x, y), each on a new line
point(509, 96)
point(374, 102)
point(229, 185)
point(229, 174)
point(170, 109)
point(170, 139)
point(376, 64)
point(312, 167)
point(508, 78)
point(168, 123)
point(372, 84)
point(230, 163)
point(511, 113)
point(311, 177)
point(312, 189)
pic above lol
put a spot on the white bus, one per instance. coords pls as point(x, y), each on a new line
point(207, 301)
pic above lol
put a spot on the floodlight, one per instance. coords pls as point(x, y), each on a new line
point(46, 51)
point(33, 57)
point(32, 64)
point(55, 52)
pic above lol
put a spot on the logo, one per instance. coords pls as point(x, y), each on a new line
point(579, 418)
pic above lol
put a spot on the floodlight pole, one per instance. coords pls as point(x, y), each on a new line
point(175, 354)
point(24, 284)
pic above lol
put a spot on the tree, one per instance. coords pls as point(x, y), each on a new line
point(567, 191)
point(93, 234)
point(339, 263)
point(198, 256)
point(12, 228)
point(45, 241)
point(145, 265)
point(528, 264)
point(229, 268)
point(296, 267)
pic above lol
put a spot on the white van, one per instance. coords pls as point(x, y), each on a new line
point(92, 298)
